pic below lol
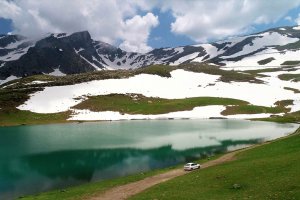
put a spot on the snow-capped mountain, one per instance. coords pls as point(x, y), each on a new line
point(62, 53)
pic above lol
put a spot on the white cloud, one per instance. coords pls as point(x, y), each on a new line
point(206, 19)
point(136, 32)
point(297, 20)
point(120, 21)
point(105, 20)
point(288, 18)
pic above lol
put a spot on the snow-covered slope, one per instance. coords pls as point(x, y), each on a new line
point(181, 84)
point(78, 52)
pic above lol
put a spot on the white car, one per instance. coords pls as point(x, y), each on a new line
point(191, 166)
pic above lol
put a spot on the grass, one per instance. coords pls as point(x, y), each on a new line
point(87, 190)
point(257, 72)
point(293, 117)
point(252, 109)
point(14, 117)
point(226, 76)
point(290, 77)
point(269, 171)
point(266, 61)
point(296, 62)
point(161, 70)
point(292, 89)
point(284, 103)
point(139, 104)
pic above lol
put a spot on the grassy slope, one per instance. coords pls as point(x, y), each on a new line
point(267, 172)
point(18, 91)
point(290, 77)
point(19, 117)
point(82, 191)
point(10, 116)
point(292, 89)
point(252, 109)
point(139, 104)
point(88, 190)
point(287, 118)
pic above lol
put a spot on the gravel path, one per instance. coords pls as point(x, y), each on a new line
point(130, 189)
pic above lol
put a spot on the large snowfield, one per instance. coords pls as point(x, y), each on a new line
point(182, 84)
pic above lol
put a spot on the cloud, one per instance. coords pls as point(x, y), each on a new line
point(105, 20)
point(124, 22)
point(206, 20)
point(297, 20)
point(136, 32)
point(288, 18)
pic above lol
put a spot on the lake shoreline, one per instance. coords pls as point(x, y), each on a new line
point(50, 156)
point(269, 119)
point(100, 191)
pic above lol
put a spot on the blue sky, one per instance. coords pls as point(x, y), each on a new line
point(5, 26)
point(145, 24)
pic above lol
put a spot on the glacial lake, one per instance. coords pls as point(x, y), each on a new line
point(39, 158)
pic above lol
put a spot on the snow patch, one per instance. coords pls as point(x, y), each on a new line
point(204, 112)
point(15, 55)
point(185, 58)
point(279, 58)
point(10, 78)
point(296, 28)
point(268, 39)
point(210, 49)
point(296, 106)
point(182, 84)
point(57, 72)
point(60, 35)
point(77, 51)
point(37, 82)
point(86, 60)
point(196, 113)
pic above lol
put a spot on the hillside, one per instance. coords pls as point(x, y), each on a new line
point(190, 91)
point(61, 53)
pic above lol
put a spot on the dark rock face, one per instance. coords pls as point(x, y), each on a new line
point(78, 53)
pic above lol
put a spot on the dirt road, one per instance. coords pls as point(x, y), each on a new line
point(125, 191)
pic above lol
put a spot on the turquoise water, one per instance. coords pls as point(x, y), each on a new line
point(44, 157)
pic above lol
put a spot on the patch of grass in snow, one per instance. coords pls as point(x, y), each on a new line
point(160, 70)
point(292, 89)
point(257, 72)
point(289, 46)
point(253, 109)
point(295, 62)
point(270, 171)
point(290, 77)
point(266, 61)
point(139, 104)
point(226, 76)
point(284, 103)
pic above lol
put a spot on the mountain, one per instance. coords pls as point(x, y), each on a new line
point(62, 53)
